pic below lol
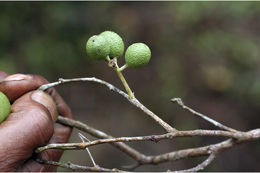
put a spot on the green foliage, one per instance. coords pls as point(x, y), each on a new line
point(5, 107)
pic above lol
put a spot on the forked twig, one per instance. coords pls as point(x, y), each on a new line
point(202, 165)
point(75, 167)
point(235, 137)
point(179, 102)
point(84, 139)
point(136, 155)
point(238, 137)
point(111, 87)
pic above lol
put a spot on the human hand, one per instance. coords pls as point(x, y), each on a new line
point(31, 123)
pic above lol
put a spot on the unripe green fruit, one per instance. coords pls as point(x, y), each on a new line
point(137, 55)
point(5, 107)
point(115, 42)
point(97, 47)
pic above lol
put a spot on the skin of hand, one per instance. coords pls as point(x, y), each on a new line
point(31, 123)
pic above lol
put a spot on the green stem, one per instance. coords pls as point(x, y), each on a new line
point(123, 67)
point(127, 88)
point(107, 58)
point(122, 78)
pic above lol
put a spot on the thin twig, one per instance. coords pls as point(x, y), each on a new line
point(154, 138)
point(179, 102)
point(131, 167)
point(235, 137)
point(133, 101)
point(136, 155)
point(165, 125)
point(123, 67)
point(75, 167)
point(122, 78)
point(84, 139)
point(175, 155)
point(202, 165)
point(142, 159)
point(86, 79)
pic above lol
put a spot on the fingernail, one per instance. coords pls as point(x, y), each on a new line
point(46, 100)
point(17, 77)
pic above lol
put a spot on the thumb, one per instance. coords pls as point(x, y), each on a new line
point(29, 125)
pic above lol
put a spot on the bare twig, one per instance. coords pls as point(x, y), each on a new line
point(179, 102)
point(240, 136)
point(86, 79)
point(75, 167)
point(166, 126)
point(131, 167)
point(202, 165)
point(133, 101)
point(84, 139)
point(235, 137)
point(193, 152)
point(136, 155)
point(155, 138)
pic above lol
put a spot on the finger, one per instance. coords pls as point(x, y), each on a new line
point(30, 125)
point(16, 85)
point(61, 135)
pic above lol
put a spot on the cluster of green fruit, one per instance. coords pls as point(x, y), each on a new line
point(104, 46)
point(5, 107)
point(109, 44)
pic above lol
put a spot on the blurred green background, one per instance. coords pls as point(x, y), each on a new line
point(207, 53)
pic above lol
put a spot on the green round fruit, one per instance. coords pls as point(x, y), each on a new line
point(115, 42)
point(5, 107)
point(97, 47)
point(137, 55)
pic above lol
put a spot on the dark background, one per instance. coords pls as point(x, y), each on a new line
point(207, 53)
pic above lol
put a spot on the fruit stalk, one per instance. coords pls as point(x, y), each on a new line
point(113, 64)
point(122, 78)
point(123, 67)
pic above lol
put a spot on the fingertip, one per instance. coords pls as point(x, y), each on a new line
point(14, 86)
point(17, 77)
point(46, 100)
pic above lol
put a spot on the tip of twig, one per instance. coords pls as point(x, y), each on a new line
point(177, 101)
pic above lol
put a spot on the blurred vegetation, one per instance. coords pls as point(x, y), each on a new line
point(205, 52)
